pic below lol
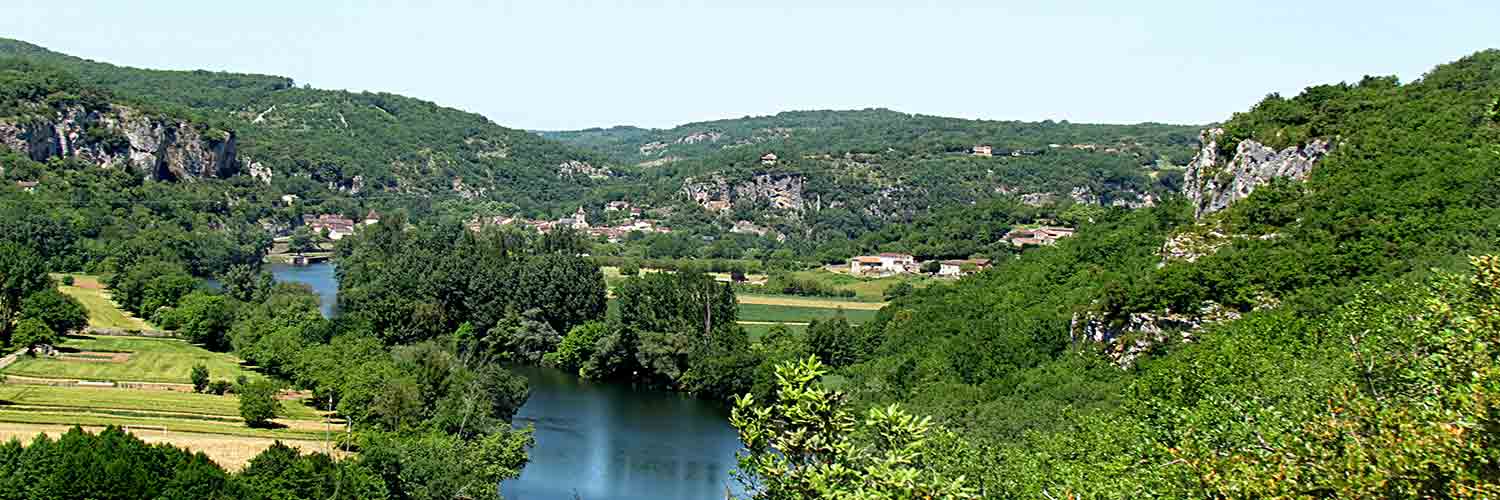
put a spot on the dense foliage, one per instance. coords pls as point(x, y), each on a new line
point(1359, 365)
point(116, 465)
point(416, 284)
point(312, 139)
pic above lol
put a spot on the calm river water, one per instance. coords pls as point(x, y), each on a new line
point(601, 441)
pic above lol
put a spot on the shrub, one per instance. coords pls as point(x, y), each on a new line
point(67, 281)
point(258, 404)
point(200, 378)
point(219, 387)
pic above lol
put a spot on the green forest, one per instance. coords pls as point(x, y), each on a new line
point(1329, 337)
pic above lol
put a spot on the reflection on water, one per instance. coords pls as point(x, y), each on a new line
point(600, 441)
point(319, 276)
point(603, 441)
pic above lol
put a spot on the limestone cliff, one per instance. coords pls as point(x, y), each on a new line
point(1212, 184)
point(716, 193)
point(156, 147)
point(1127, 339)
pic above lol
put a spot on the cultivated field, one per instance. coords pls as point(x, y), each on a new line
point(757, 330)
point(865, 289)
point(136, 359)
point(102, 312)
point(232, 452)
point(40, 398)
point(793, 314)
point(809, 302)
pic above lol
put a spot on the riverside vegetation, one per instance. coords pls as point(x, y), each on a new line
point(1341, 342)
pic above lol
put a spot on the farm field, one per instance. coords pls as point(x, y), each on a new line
point(232, 452)
point(137, 359)
point(871, 289)
point(758, 330)
point(127, 400)
point(811, 302)
point(102, 312)
point(796, 314)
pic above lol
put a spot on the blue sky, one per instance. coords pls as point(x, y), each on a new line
point(573, 64)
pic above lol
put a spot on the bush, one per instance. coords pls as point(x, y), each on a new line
point(899, 290)
point(630, 269)
point(67, 281)
point(258, 404)
point(219, 387)
point(200, 378)
point(31, 333)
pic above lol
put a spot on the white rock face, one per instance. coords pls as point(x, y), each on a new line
point(1213, 186)
point(1128, 340)
point(781, 191)
point(575, 168)
point(159, 148)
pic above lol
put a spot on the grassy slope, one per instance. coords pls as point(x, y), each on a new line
point(792, 314)
point(102, 311)
point(151, 360)
point(147, 401)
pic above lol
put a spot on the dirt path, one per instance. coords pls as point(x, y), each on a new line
point(9, 358)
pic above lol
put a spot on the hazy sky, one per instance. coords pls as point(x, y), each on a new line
point(573, 64)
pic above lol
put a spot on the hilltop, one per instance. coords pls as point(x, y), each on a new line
point(308, 141)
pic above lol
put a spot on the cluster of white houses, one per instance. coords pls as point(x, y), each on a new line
point(1038, 236)
point(336, 227)
point(887, 264)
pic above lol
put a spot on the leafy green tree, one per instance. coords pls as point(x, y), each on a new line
point(22, 273)
point(200, 378)
point(281, 472)
point(437, 466)
point(577, 346)
point(834, 342)
point(676, 302)
point(205, 319)
point(31, 333)
point(60, 312)
point(245, 283)
point(898, 290)
point(523, 337)
point(258, 403)
point(802, 446)
point(301, 241)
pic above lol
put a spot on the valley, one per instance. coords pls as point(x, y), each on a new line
point(318, 293)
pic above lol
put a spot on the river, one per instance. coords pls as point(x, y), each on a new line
point(600, 441)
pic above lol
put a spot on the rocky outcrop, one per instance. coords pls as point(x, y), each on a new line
point(574, 168)
point(653, 147)
point(260, 172)
point(1127, 339)
point(780, 191)
point(697, 137)
point(1213, 184)
point(158, 148)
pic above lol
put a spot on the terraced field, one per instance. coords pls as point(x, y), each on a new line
point(102, 311)
point(141, 359)
point(49, 394)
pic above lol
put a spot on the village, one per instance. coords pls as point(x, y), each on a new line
point(579, 221)
point(891, 264)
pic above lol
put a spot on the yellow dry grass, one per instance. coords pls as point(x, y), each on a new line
point(103, 313)
point(231, 452)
